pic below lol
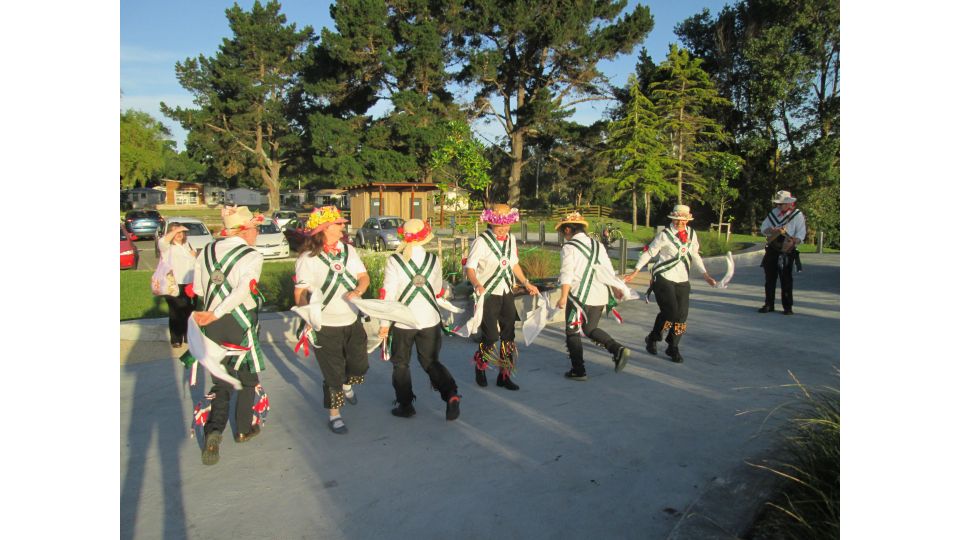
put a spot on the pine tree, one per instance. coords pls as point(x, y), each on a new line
point(246, 95)
point(637, 150)
point(681, 97)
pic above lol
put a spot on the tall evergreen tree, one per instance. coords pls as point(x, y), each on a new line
point(681, 98)
point(636, 147)
point(246, 94)
point(531, 62)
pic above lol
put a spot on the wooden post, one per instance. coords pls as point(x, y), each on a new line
point(623, 257)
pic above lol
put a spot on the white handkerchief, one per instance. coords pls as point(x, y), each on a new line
point(473, 324)
point(312, 313)
point(445, 304)
point(722, 284)
point(208, 353)
point(607, 277)
point(389, 310)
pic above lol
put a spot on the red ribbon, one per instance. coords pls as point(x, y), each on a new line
point(188, 290)
point(383, 293)
point(414, 237)
point(253, 286)
point(682, 235)
point(235, 347)
point(305, 343)
point(332, 248)
point(502, 238)
point(440, 294)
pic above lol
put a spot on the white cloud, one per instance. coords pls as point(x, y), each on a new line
point(135, 54)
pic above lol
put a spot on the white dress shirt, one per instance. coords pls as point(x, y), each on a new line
point(663, 246)
point(485, 262)
point(797, 227)
point(312, 272)
point(573, 265)
point(395, 280)
point(180, 260)
point(244, 271)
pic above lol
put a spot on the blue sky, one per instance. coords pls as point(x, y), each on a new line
point(155, 35)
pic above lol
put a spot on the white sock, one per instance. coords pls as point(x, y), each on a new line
point(348, 390)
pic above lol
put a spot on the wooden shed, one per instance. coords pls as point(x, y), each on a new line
point(183, 193)
point(406, 200)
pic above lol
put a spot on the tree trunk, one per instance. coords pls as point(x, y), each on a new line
point(646, 204)
point(516, 166)
point(634, 210)
point(270, 174)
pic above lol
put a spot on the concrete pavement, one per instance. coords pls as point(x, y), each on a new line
point(656, 451)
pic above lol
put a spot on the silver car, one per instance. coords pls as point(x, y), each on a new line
point(198, 235)
point(379, 233)
point(271, 242)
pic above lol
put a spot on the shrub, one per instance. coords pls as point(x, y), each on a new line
point(539, 263)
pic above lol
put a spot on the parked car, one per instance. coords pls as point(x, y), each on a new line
point(198, 235)
point(129, 256)
point(143, 223)
point(282, 217)
point(295, 234)
point(379, 233)
point(271, 242)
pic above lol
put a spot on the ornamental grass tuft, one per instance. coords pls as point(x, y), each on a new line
point(808, 505)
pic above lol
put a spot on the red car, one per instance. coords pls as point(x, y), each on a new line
point(129, 256)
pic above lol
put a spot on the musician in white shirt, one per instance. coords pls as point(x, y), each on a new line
point(492, 265)
point(785, 227)
point(414, 277)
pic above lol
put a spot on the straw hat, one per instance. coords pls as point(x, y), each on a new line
point(413, 232)
point(500, 214)
point(783, 197)
point(321, 218)
point(572, 218)
point(238, 218)
point(681, 212)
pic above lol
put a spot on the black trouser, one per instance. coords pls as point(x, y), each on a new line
point(342, 354)
point(673, 299)
point(227, 330)
point(180, 308)
point(591, 330)
point(498, 310)
point(428, 353)
point(778, 265)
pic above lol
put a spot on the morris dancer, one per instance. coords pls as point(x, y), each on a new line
point(225, 278)
point(414, 277)
point(784, 227)
point(587, 296)
point(677, 246)
point(491, 266)
point(333, 274)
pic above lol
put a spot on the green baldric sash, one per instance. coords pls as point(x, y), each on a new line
point(502, 250)
point(683, 253)
point(592, 254)
point(780, 222)
point(337, 275)
point(218, 286)
point(419, 283)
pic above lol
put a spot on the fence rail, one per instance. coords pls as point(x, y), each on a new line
point(469, 217)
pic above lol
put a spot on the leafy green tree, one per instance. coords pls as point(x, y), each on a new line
point(144, 142)
point(531, 62)
point(681, 98)
point(778, 61)
point(723, 168)
point(637, 150)
point(247, 94)
point(396, 51)
point(460, 158)
point(180, 166)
